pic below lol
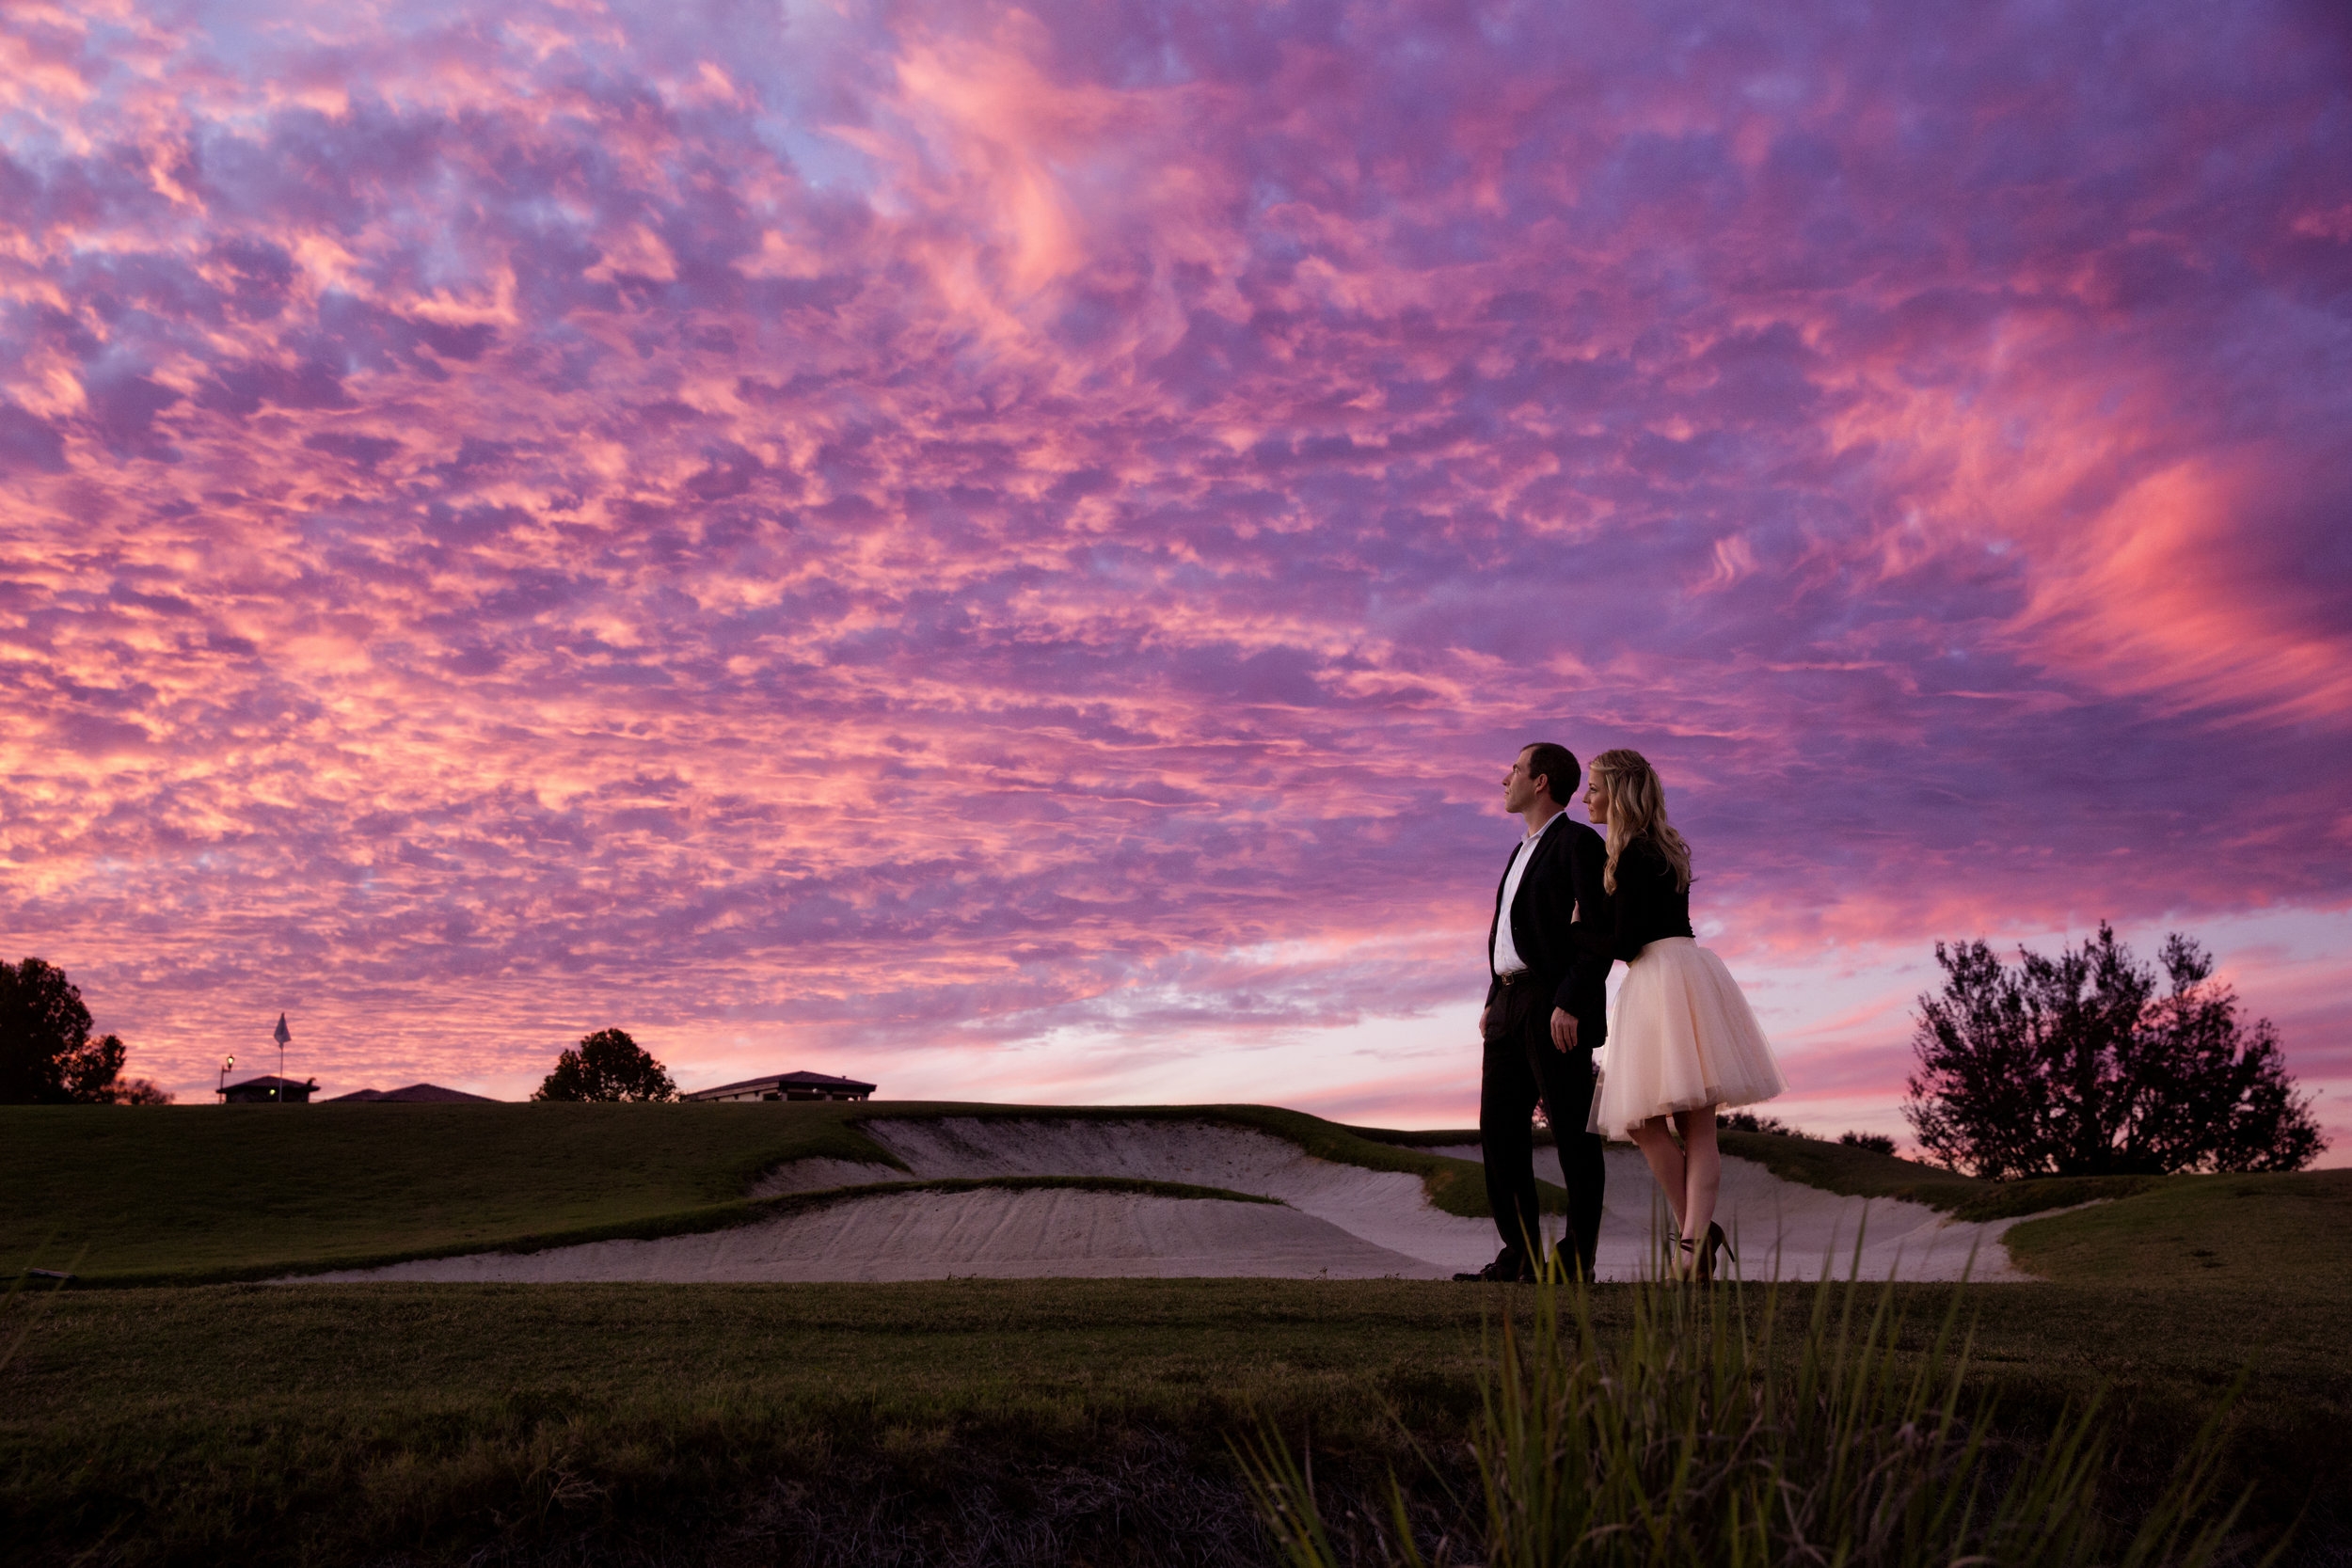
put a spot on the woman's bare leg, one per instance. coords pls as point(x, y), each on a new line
point(1665, 1163)
point(1703, 1171)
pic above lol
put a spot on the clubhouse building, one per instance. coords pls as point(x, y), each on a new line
point(268, 1089)
point(788, 1086)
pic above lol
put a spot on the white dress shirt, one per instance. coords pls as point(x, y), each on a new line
point(1507, 954)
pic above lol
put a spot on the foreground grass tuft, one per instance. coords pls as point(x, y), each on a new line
point(1694, 1436)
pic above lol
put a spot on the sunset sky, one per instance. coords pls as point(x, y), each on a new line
point(1005, 551)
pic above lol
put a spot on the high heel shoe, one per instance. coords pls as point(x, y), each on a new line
point(1685, 1266)
point(1703, 1263)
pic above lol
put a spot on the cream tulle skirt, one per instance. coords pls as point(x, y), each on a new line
point(1680, 1037)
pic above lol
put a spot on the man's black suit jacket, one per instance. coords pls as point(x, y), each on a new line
point(1559, 921)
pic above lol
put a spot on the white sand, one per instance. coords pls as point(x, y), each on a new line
point(1384, 1208)
point(1784, 1229)
point(1334, 1221)
point(992, 1233)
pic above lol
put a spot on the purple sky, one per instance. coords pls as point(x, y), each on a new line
point(1005, 551)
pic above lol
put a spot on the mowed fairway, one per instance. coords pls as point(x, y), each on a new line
point(928, 1423)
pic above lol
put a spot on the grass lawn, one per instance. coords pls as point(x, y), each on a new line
point(2290, 1230)
point(921, 1423)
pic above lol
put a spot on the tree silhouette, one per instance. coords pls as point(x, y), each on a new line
point(46, 1055)
point(607, 1064)
point(2089, 1065)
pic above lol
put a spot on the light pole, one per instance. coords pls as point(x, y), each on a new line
point(226, 1063)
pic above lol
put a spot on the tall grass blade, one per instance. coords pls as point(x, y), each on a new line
point(1698, 1434)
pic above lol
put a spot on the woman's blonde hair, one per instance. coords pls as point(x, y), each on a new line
point(1637, 808)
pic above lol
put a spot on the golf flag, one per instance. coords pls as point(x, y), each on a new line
point(282, 1033)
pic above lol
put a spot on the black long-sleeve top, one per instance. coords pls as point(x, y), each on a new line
point(1647, 905)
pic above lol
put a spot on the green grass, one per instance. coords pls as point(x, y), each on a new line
point(1430, 1137)
point(918, 1423)
point(150, 1195)
point(2290, 1231)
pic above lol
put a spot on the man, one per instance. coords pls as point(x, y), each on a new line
point(1546, 1012)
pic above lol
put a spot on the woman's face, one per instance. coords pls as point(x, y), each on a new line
point(1597, 799)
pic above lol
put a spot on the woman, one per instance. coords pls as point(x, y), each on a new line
point(1683, 1040)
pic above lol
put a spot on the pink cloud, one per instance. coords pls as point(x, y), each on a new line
point(933, 528)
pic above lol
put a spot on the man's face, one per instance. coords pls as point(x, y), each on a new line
point(1520, 788)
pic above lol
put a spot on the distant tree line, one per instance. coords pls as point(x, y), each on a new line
point(1750, 1121)
point(2094, 1064)
point(47, 1056)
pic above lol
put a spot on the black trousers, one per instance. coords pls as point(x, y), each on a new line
point(1522, 1068)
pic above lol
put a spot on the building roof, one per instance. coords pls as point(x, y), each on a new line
point(414, 1094)
point(791, 1081)
point(269, 1081)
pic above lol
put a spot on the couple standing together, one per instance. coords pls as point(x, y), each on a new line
point(1682, 1042)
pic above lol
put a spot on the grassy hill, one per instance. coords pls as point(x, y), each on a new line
point(183, 1195)
point(2291, 1230)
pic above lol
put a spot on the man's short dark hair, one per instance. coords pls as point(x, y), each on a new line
point(1557, 766)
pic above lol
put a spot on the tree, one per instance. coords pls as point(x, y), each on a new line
point(607, 1064)
point(46, 1055)
point(2089, 1064)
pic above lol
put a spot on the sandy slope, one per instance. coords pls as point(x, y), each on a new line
point(1384, 1208)
point(1787, 1231)
point(994, 1233)
point(1334, 1220)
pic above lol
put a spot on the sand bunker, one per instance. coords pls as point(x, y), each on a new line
point(1784, 1229)
point(1000, 1233)
point(1335, 1221)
